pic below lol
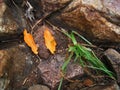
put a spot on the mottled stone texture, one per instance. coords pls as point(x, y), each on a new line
point(98, 18)
point(112, 58)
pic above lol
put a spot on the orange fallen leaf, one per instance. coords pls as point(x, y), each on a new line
point(28, 38)
point(49, 41)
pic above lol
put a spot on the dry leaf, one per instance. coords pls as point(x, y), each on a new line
point(28, 38)
point(88, 82)
point(49, 41)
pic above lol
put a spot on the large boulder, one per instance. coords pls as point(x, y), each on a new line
point(97, 18)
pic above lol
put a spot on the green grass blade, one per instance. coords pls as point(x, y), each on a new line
point(60, 85)
point(111, 74)
point(73, 39)
point(66, 62)
point(82, 37)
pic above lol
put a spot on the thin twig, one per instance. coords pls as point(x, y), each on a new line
point(39, 21)
point(93, 46)
point(54, 27)
point(39, 58)
point(63, 76)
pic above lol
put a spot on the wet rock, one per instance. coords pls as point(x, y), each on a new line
point(53, 5)
point(3, 83)
point(90, 17)
point(4, 62)
point(51, 70)
point(44, 53)
point(21, 61)
point(38, 87)
point(7, 23)
point(112, 60)
point(98, 20)
point(14, 14)
point(87, 83)
point(2, 8)
point(39, 39)
point(109, 9)
point(112, 86)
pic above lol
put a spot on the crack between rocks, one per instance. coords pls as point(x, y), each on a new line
point(58, 11)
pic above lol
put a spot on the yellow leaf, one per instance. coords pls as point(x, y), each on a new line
point(28, 38)
point(49, 41)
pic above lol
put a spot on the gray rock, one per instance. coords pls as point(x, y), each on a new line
point(51, 70)
point(3, 83)
point(112, 58)
point(38, 87)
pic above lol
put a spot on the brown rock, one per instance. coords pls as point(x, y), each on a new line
point(4, 59)
point(7, 23)
point(112, 86)
point(51, 70)
point(21, 65)
point(39, 39)
point(86, 16)
point(2, 8)
point(53, 5)
point(78, 85)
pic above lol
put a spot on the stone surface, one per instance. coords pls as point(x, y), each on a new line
point(24, 71)
point(50, 69)
point(112, 58)
point(112, 86)
point(38, 87)
point(101, 83)
point(3, 83)
point(4, 61)
point(18, 65)
point(89, 16)
point(7, 23)
point(96, 19)
point(53, 5)
point(108, 8)
point(39, 39)
point(2, 8)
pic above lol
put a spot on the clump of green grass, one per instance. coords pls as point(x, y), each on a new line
point(85, 56)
